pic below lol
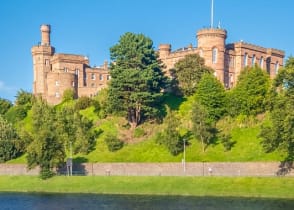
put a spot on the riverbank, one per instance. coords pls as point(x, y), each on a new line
point(266, 187)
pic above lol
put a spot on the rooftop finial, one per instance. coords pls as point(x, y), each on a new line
point(211, 18)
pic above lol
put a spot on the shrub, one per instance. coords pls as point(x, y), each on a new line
point(83, 103)
point(113, 143)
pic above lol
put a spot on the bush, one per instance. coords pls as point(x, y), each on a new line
point(45, 173)
point(83, 103)
point(113, 143)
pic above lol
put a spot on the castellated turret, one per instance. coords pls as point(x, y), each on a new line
point(212, 46)
point(41, 61)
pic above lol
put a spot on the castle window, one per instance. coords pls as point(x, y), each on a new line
point(100, 76)
point(77, 71)
point(276, 67)
point(214, 55)
point(65, 69)
point(47, 62)
point(253, 60)
point(245, 59)
point(73, 83)
point(231, 62)
point(57, 95)
point(93, 76)
point(56, 83)
point(108, 77)
point(261, 62)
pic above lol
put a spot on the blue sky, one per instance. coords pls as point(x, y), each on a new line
point(91, 27)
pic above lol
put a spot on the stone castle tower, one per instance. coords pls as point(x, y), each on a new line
point(56, 72)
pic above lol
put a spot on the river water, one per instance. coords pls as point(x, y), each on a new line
point(44, 201)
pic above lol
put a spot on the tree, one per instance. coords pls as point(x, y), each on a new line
point(136, 78)
point(211, 94)
point(68, 95)
point(10, 144)
point(188, 72)
point(46, 148)
point(170, 137)
point(23, 98)
point(249, 97)
point(279, 135)
point(202, 126)
point(5, 105)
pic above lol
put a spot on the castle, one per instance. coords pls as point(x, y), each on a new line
point(56, 72)
point(227, 60)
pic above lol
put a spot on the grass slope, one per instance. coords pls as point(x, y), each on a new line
point(196, 186)
point(145, 149)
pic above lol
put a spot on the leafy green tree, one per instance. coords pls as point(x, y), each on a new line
point(83, 103)
point(249, 97)
point(188, 72)
point(211, 94)
point(5, 105)
point(68, 95)
point(170, 137)
point(279, 135)
point(10, 144)
point(75, 129)
point(136, 78)
point(23, 98)
point(202, 126)
point(46, 148)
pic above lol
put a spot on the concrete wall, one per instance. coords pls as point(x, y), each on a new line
point(165, 169)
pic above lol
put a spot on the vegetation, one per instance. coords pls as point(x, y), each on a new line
point(249, 97)
point(279, 134)
point(170, 137)
point(197, 186)
point(136, 78)
point(187, 74)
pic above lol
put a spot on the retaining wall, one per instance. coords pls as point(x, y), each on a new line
point(165, 169)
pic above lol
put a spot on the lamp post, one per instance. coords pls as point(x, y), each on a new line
point(184, 161)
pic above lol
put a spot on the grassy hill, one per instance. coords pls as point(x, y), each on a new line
point(140, 145)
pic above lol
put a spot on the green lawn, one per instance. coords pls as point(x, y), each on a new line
point(197, 186)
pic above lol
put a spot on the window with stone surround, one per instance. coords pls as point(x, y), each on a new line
point(276, 67)
point(77, 71)
point(108, 77)
point(101, 77)
point(245, 59)
point(253, 60)
point(214, 55)
point(261, 62)
point(47, 62)
point(57, 95)
point(93, 76)
point(65, 69)
point(56, 83)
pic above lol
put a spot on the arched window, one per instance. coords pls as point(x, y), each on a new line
point(245, 59)
point(261, 62)
point(276, 67)
point(253, 60)
point(214, 55)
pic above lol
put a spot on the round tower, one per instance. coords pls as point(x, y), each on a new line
point(164, 50)
point(212, 42)
point(45, 35)
point(42, 54)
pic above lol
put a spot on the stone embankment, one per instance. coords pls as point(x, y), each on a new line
point(165, 169)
